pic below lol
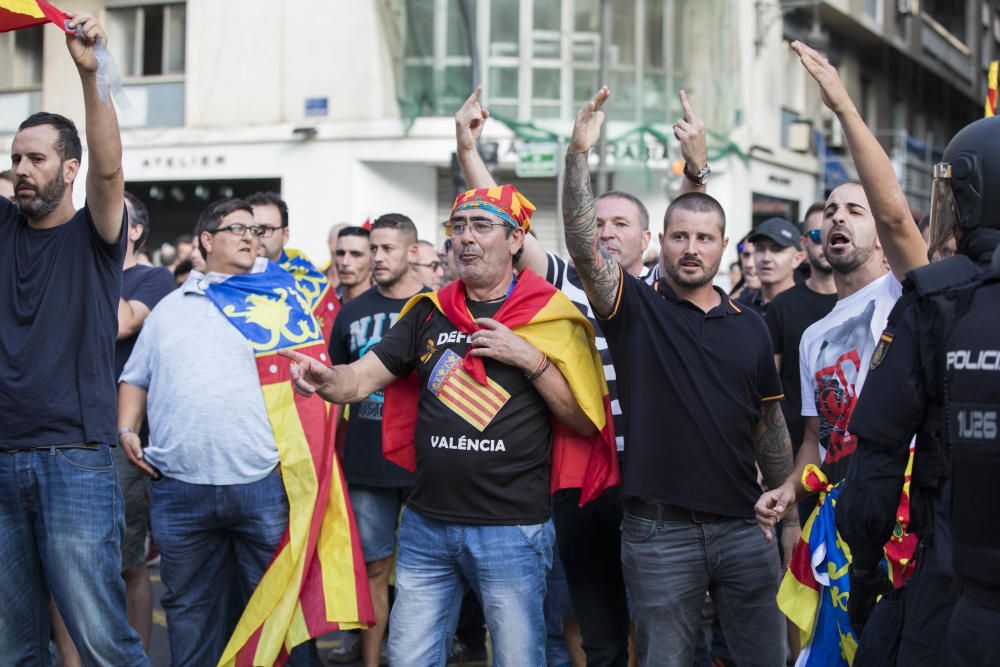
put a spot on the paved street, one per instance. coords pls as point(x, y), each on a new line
point(159, 649)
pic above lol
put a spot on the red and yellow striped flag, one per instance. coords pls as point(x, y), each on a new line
point(544, 317)
point(991, 89)
point(17, 14)
point(316, 581)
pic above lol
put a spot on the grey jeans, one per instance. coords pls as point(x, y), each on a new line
point(668, 566)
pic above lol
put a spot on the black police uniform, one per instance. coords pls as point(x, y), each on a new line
point(928, 378)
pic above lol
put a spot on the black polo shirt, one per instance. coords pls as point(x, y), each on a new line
point(691, 386)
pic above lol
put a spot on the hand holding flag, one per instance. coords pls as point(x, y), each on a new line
point(82, 34)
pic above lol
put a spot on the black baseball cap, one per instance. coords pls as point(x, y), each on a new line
point(778, 230)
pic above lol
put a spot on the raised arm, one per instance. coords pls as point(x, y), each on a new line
point(470, 120)
point(598, 269)
point(904, 247)
point(690, 132)
point(105, 179)
point(346, 383)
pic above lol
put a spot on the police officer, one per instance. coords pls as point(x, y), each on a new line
point(936, 374)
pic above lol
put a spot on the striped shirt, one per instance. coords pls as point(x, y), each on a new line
point(565, 278)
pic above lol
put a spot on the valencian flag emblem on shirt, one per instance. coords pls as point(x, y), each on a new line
point(314, 287)
point(814, 591)
point(17, 14)
point(316, 581)
point(544, 317)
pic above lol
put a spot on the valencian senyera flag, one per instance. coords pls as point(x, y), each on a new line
point(316, 581)
point(991, 90)
point(314, 286)
point(17, 14)
point(814, 591)
point(544, 317)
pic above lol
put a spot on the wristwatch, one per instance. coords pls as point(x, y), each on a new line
point(701, 178)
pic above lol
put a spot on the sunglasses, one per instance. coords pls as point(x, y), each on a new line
point(815, 235)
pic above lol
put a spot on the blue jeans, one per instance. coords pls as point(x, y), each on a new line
point(61, 525)
point(668, 566)
point(505, 565)
point(215, 544)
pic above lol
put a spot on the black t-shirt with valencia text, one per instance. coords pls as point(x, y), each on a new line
point(483, 452)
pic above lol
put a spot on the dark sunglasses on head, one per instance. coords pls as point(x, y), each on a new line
point(815, 235)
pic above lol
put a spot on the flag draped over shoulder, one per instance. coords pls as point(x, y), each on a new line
point(814, 591)
point(991, 90)
point(316, 581)
point(544, 317)
point(17, 14)
point(313, 285)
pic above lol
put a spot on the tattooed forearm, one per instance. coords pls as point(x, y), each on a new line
point(597, 267)
point(773, 445)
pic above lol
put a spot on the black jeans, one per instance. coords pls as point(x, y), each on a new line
point(589, 539)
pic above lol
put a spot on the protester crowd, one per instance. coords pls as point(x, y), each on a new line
point(431, 451)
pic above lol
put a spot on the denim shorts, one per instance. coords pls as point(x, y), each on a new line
point(376, 512)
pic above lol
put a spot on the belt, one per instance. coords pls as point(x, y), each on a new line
point(656, 511)
point(52, 448)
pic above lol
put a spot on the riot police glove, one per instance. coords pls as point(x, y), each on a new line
point(865, 589)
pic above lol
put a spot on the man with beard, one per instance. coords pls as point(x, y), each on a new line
point(353, 262)
point(377, 487)
point(589, 536)
point(686, 357)
point(866, 225)
point(777, 253)
point(60, 504)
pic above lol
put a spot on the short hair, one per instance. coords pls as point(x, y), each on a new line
point(396, 221)
point(354, 231)
point(183, 267)
point(696, 202)
point(643, 211)
point(272, 198)
point(7, 175)
point(68, 144)
point(210, 218)
point(427, 243)
point(140, 216)
point(815, 207)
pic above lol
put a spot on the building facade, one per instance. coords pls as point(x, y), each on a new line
point(345, 108)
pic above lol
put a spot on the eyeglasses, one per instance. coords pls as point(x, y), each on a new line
point(239, 229)
point(479, 227)
point(433, 266)
point(815, 235)
point(265, 231)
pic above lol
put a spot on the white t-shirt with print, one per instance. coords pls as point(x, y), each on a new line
point(835, 354)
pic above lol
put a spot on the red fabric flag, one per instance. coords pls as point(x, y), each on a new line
point(17, 14)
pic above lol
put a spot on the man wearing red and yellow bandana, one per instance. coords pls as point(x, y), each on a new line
point(495, 397)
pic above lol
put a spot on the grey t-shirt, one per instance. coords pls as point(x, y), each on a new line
point(207, 419)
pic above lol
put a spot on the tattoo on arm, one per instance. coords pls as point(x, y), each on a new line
point(773, 445)
point(598, 269)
